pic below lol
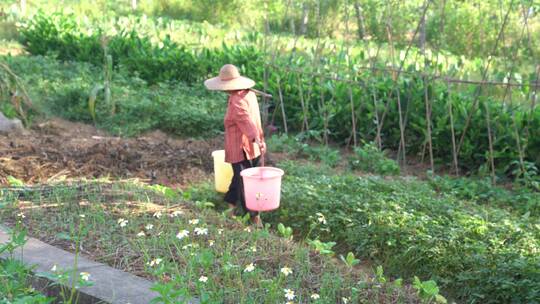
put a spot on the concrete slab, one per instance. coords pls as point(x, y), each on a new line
point(110, 285)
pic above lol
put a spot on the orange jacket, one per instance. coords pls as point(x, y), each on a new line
point(242, 126)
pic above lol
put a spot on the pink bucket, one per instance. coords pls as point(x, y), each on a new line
point(262, 188)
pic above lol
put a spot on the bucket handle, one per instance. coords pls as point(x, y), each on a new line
point(262, 165)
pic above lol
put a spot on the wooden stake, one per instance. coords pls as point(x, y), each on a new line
point(490, 141)
point(305, 125)
point(353, 117)
point(450, 112)
point(282, 107)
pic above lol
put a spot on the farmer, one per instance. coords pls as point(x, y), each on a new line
point(244, 138)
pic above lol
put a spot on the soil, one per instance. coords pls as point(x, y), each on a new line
point(58, 149)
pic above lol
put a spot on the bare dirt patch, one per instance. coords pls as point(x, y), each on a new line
point(59, 149)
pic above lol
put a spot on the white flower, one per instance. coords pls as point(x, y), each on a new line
point(21, 215)
point(201, 231)
point(220, 231)
point(249, 268)
point(289, 294)
point(286, 271)
point(85, 276)
point(182, 234)
point(157, 214)
point(315, 296)
point(345, 300)
point(155, 262)
point(141, 234)
point(187, 246)
point(203, 279)
point(321, 218)
point(176, 213)
point(194, 222)
point(247, 229)
point(253, 248)
point(122, 222)
point(53, 269)
point(211, 243)
point(149, 227)
point(82, 215)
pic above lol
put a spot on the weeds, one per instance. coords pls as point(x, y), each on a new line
point(193, 252)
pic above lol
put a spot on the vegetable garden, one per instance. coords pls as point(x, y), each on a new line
point(115, 161)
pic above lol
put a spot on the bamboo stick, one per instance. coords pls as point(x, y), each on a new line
point(452, 130)
point(282, 106)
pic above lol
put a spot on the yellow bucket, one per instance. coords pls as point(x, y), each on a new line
point(223, 172)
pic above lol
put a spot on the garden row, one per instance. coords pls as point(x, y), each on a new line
point(190, 250)
point(480, 243)
point(318, 103)
point(64, 89)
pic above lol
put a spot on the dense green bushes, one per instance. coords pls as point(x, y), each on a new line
point(376, 94)
point(478, 253)
point(63, 89)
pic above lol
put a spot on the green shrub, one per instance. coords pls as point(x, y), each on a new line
point(476, 252)
point(63, 89)
point(481, 191)
point(369, 158)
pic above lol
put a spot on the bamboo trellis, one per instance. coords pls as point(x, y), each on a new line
point(317, 76)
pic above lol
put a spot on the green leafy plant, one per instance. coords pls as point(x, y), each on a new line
point(369, 158)
point(350, 260)
point(322, 247)
point(285, 232)
point(428, 290)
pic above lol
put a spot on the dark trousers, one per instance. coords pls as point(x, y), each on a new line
point(236, 189)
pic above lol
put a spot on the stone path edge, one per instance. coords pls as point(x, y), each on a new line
point(110, 285)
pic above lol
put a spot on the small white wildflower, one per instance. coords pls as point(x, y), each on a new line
point(85, 276)
point(203, 279)
point(122, 222)
point(21, 215)
point(315, 296)
point(182, 234)
point(201, 231)
point(82, 215)
point(247, 229)
point(149, 227)
point(140, 234)
point(253, 248)
point(157, 214)
point(321, 218)
point(211, 243)
point(155, 262)
point(289, 294)
point(176, 213)
point(286, 271)
point(53, 269)
point(345, 300)
point(194, 222)
point(220, 231)
point(250, 267)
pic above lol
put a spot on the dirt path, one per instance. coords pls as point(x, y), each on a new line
point(59, 149)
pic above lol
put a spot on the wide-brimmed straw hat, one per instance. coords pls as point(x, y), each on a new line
point(229, 79)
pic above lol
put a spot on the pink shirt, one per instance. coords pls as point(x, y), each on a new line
point(242, 126)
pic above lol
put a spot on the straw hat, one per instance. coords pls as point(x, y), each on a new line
point(229, 79)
